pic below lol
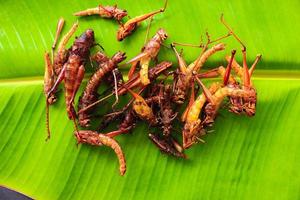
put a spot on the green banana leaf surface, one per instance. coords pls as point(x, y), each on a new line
point(242, 157)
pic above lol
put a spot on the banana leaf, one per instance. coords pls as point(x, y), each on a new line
point(243, 158)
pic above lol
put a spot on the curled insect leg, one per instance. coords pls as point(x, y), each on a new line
point(166, 145)
point(98, 139)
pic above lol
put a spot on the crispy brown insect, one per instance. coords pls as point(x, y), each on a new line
point(149, 51)
point(127, 28)
point(52, 68)
point(236, 103)
point(90, 94)
point(249, 102)
point(164, 112)
point(166, 145)
point(73, 70)
point(105, 12)
point(154, 72)
point(98, 139)
point(126, 125)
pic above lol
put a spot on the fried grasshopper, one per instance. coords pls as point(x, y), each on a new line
point(126, 29)
point(194, 126)
point(149, 52)
point(105, 12)
point(52, 69)
point(98, 139)
point(90, 94)
point(183, 76)
point(73, 70)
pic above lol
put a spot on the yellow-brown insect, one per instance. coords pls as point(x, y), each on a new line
point(215, 100)
point(98, 139)
point(149, 51)
point(127, 28)
point(105, 12)
point(194, 126)
point(184, 74)
point(248, 103)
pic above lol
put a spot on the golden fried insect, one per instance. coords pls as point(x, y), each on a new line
point(194, 126)
point(193, 129)
point(149, 52)
point(105, 12)
point(127, 28)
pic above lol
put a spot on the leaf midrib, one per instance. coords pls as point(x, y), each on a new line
point(259, 74)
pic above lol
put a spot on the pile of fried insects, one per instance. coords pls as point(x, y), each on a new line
point(156, 101)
